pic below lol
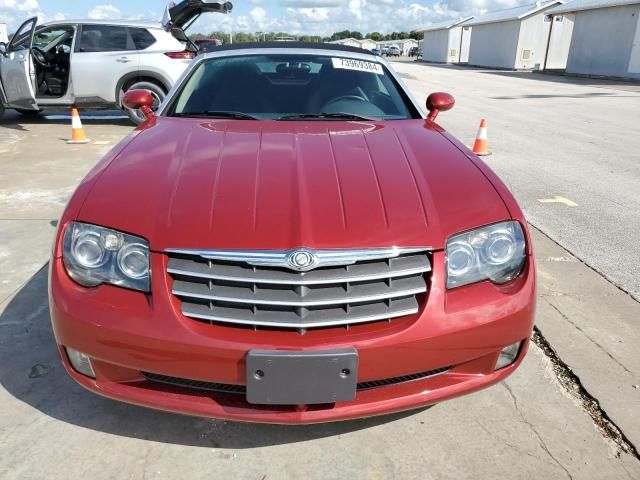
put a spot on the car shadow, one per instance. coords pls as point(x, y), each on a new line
point(30, 370)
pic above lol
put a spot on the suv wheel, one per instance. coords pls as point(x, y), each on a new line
point(157, 92)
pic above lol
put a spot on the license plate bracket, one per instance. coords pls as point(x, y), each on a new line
point(284, 377)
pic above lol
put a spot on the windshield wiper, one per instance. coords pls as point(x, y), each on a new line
point(217, 114)
point(327, 116)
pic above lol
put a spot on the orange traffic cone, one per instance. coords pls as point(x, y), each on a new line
point(77, 132)
point(481, 146)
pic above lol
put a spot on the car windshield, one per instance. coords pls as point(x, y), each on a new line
point(292, 87)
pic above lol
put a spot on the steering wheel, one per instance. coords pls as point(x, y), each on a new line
point(39, 57)
point(383, 100)
point(357, 98)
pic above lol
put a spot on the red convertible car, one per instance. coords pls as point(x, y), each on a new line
point(290, 240)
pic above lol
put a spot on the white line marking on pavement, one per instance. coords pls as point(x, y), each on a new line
point(559, 199)
point(562, 259)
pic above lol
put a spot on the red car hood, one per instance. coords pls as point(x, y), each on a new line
point(189, 183)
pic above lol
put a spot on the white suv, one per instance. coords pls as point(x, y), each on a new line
point(91, 64)
point(394, 51)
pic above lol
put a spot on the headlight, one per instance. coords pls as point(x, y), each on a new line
point(495, 252)
point(95, 255)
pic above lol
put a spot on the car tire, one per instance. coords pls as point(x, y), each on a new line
point(158, 93)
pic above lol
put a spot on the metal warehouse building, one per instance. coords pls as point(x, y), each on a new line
point(349, 42)
point(604, 38)
point(447, 42)
point(365, 43)
point(515, 38)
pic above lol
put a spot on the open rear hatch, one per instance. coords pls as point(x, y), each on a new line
point(182, 14)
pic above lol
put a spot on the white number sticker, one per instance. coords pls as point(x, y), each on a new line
point(358, 65)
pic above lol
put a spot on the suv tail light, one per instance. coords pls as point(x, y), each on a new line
point(184, 55)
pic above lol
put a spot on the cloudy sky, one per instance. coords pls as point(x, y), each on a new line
point(320, 17)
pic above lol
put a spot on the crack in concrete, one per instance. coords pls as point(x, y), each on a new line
point(573, 386)
point(510, 445)
point(541, 441)
point(566, 317)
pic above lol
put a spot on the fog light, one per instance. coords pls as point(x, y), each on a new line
point(81, 363)
point(508, 355)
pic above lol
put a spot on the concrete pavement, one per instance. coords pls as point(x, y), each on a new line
point(533, 425)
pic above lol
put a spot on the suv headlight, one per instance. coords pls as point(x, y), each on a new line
point(495, 252)
point(94, 255)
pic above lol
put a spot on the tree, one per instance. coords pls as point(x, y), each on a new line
point(242, 37)
point(198, 36)
point(341, 35)
point(310, 38)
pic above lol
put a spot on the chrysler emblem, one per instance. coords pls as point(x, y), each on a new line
point(302, 260)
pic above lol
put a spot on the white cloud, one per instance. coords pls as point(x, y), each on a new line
point(323, 17)
point(20, 6)
point(15, 12)
point(259, 18)
point(311, 17)
point(103, 12)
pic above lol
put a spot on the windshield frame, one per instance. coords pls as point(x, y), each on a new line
point(166, 107)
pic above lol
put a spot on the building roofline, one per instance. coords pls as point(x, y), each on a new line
point(581, 6)
point(489, 17)
point(445, 25)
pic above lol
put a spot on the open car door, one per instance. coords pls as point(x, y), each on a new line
point(182, 14)
point(17, 71)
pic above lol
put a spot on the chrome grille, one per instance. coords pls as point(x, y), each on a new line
point(370, 285)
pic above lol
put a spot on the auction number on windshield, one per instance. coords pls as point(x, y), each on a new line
point(358, 65)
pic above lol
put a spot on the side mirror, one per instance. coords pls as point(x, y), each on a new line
point(139, 100)
point(3, 48)
point(439, 102)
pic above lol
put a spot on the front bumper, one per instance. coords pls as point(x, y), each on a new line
point(127, 333)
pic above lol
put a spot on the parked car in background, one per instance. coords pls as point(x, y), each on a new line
point(394, 51)
point(207, 44)
point(414, 51)
point(290, 240)
point(92, 63)
point(376, 51)
point(385, 50)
